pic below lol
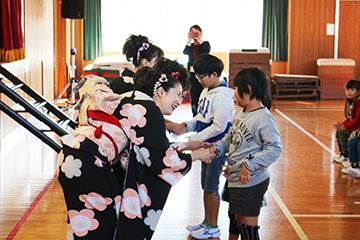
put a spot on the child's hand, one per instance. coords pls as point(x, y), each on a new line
point(244, 176)
point(190, 145)
point(177, 128)
point(225, 170)
point(341, 126)
point(337, 126)
point(204, 155)
point(206, 145)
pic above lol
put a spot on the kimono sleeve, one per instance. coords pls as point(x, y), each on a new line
point(155, 151)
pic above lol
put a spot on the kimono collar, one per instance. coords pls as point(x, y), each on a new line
point(137, 95)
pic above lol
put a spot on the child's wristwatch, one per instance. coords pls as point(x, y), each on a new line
point(217, 150)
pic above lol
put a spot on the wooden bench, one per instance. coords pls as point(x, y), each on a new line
point(240, 59)
point(295, 86)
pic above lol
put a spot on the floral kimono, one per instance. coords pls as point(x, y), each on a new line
point(92, 192)
point(103, 199)
point(153, 168)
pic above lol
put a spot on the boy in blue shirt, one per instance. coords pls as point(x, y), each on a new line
point(212, 122)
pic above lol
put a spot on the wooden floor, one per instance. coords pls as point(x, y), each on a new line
point(308, 198)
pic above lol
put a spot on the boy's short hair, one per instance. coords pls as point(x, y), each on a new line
point(353, 83)
point(207, 64)
point(257, 80)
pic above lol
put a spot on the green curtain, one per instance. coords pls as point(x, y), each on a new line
point(274, 31)
point(93, 47)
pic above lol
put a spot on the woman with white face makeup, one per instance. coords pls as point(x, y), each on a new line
point(153, 165)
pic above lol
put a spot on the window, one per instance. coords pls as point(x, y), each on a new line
point(226, 24)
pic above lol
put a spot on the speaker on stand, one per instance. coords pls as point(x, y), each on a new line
point(72, 9)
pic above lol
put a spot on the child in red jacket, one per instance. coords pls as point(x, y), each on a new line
point(352, 121)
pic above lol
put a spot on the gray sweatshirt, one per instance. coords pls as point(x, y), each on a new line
point(253, 140)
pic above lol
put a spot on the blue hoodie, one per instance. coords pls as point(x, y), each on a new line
point(214, 116)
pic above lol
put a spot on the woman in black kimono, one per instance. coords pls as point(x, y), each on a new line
point(140, 51)
point(99, 205)
point(154, 166)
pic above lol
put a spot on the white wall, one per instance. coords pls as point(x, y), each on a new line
point(226, 24)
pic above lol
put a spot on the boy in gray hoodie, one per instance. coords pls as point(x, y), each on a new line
point(253, 143)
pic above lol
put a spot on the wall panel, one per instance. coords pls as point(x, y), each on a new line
point(307, 34)
point(349, 33)
point(39, 45)
point(60, 71)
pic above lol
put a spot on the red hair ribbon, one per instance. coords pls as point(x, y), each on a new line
point(175, 74)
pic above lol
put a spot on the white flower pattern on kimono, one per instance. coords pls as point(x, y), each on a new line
point(131, 204)
point(142, 155)
point(135, 139)
point(143, 194)
point(152, 218)
point(72, 141)
point(173, 161)
point(170, 176)
point(82, 222)
point(71, 167)
point(95, 200)
point(131, 132)
point(135, 114)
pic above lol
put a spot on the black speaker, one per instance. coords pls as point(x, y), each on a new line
point(73, 9)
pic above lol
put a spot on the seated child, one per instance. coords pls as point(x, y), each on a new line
point(354, 156)
point(351, 122)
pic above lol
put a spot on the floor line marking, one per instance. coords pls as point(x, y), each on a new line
point(276, 196)
point(311, 109)
point(326, 215)
point(29, 210)
point(356, 202)
point(306, 132)
point(287, 214)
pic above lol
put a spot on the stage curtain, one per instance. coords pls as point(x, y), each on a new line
point(93, 46)
point(11, 37)
point(274, 30)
